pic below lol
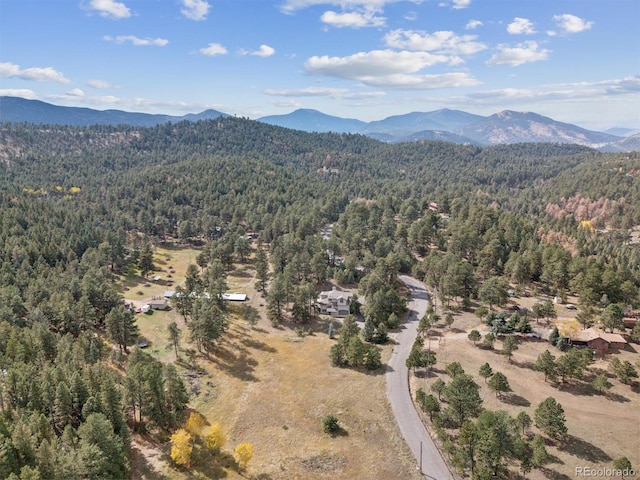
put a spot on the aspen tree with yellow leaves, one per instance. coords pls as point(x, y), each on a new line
point(243, 453)
point(181, 447)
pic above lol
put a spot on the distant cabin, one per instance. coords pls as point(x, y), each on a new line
point(230, 297)
point(160, 304)
point(234, 297)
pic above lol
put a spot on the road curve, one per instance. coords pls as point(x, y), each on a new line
point(397, 378)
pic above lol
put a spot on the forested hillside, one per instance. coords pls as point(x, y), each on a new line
point(79, 205)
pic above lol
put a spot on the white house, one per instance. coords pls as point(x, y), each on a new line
point(334, 302)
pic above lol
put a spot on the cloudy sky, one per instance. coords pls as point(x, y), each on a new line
point(576, 61)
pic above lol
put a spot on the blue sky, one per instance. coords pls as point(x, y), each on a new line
point(576, 61)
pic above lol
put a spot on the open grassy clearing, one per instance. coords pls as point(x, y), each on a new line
point(601, 427)
point(171, 266)
point(271, 387)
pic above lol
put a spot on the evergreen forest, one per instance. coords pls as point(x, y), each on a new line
point(79, 205)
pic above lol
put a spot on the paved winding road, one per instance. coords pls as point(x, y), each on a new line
point(397, 377)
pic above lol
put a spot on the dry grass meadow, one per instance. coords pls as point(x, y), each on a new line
point(271, 387)
point(601, 427)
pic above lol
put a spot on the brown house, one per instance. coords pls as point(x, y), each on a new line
point(599, 341)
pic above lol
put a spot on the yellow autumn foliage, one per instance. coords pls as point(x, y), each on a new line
point(243, 453)
point(586, 224)
point(216, 438)
point(181, 447)
point(195, 423)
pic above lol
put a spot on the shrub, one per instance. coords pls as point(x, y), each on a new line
point(330, 425)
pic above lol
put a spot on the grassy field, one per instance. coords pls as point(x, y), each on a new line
point(171, 265)
point(270, 387)
point(601, 427)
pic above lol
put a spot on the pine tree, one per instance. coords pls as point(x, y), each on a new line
point(546, 363)
point(499, 383)
point(509, 345)
point(438, 386)
point(368, 331)
point(174, 336)
point(63, 407)
point(121, 328)
point(145, 262)
point(549, 417)
point(524, 421)
point(98, 431)
point(262, 270)
point(486, 371)
point(175, 392)
point(474, 336)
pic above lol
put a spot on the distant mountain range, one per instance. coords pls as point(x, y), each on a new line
point(14, 109)
point(447, 125)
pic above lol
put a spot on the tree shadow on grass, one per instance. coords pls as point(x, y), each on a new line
point(242, 272)
point(515, 399)
point(236, 364)
point(616, 397)
point(581, 388)
point(340, 432)
point(142, 467)
point(524, 364)
point(211, 464)
point(258, 345)
point(584, 450)
point(553, 475)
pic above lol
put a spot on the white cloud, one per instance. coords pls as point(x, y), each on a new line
point(342, 93)
point(411, 16)
point(290, 6)
point(366, 18)
point(521, 26)
point(459, 4)
point(520, 54)
point(572, 24)
point(306, 92)
point(442, 42)
point(18, 92)
point(473, 24)
point(561, 92)
point(37, 74)
point(137, 41)
point(373, 63)
point(213, 49)
point(195, 9)
point(264, 51)
point(94, 83)
point(110, 9)
point(388, 68)
point(286, 104)
point(422, 82)
point(76, 92)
